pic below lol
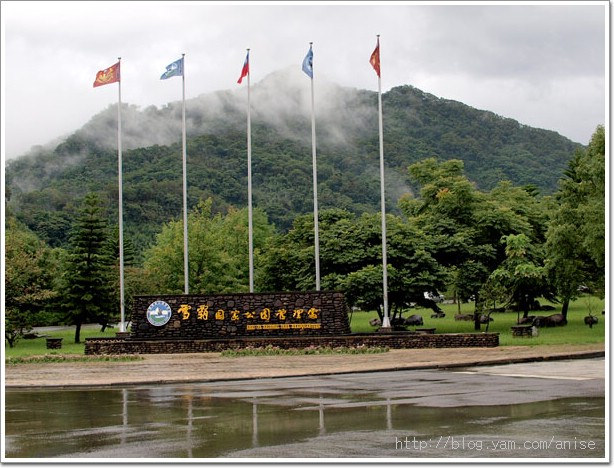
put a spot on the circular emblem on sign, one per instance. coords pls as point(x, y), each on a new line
point(159, 313)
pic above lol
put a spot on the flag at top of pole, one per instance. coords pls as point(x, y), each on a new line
point(107, 76)
point(245, 69)
point(250, 227)
point(308, 69)
point(174, 69)
point(177, 69)
point(374, 60)
point(375, 63)
point(308, 63)
point(104, 77)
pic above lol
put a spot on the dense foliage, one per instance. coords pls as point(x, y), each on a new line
point(28, 280)
point(218, 252)
point(576, 236)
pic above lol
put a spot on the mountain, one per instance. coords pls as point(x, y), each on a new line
point(45, 185)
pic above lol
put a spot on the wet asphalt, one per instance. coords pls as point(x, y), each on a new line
point(533, 410)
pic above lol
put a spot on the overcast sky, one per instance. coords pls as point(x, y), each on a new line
point(543, 65)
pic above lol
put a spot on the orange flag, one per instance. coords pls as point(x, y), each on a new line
point(374, 60)
point(107, 76)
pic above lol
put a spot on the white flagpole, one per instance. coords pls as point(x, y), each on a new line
point(186, 288)
point(315, 184)
point(386, 321)
point(122, 324)
point(249, 184)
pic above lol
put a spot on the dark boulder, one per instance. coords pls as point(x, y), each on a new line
point(414, 320)
point(554, 320)
point(526, 320)
point(465, 317)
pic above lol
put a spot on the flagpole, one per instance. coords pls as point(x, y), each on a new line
point(386, 321)
point(122, 324)
point(315, 184)
point(249, 185)
point(186, 287)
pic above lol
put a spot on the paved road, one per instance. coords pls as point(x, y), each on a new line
point(479, 386)
point(510, 411)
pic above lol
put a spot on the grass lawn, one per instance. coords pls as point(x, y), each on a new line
point(575, 332)
point(38, 346)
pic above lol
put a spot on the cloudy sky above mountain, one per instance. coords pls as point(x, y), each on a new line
point(541, 64)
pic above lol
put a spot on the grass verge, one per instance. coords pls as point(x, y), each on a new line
point(54, 358)
point(275, 351)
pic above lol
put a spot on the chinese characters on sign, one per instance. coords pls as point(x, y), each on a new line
point(257, 320)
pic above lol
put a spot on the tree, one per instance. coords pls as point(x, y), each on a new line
point(467, 226)
point(351, 260)
point(576, 234)
point(449, 212)
point(218, 248)
point(522, 274)
point(29, 270)
point(86, 292)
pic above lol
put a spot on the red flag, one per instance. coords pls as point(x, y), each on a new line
point(108, 75)
point(374, 60)
point(245, 70)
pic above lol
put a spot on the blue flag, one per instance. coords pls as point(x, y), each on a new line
point(174, 69)
point(308, 63)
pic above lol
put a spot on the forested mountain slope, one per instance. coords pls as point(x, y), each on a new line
point(44, 185)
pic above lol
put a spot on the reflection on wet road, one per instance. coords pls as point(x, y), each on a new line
point(501, 411)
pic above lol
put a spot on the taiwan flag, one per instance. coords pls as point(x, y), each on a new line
point(245, 70)
point(107, 76)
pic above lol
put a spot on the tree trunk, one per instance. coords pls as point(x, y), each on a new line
point(10, 338)
point(476, 314)
point(565, 308)
point(78, 332)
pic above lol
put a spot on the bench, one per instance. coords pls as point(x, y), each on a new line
point(526, 331)
point(54, 343)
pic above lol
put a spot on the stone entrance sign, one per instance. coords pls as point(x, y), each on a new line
point(185, 317)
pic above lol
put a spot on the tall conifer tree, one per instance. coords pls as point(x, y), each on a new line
point(87, 292)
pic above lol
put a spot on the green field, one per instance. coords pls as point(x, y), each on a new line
point(38, 346)
point(575, 332)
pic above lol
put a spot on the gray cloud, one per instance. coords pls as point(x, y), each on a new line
point(543, 65)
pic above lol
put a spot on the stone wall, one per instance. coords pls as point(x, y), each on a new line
point(196, 317)
point(398, 340)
